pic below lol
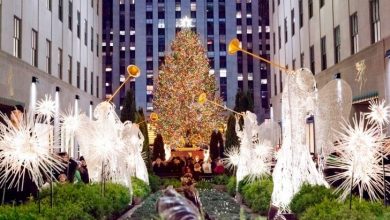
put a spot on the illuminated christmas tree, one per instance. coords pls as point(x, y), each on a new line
point(183, 77)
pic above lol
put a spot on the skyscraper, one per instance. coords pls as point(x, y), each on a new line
point(140, 32)
point(50, 47)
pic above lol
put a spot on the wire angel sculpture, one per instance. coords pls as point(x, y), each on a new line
point(294, 163)
point(255, 153)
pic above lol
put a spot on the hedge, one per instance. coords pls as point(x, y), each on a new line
point(73, 202)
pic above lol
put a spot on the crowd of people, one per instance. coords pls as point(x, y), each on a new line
point(176, 166)
point(75, 171)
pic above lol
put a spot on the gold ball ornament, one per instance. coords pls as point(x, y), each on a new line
point(202, 98)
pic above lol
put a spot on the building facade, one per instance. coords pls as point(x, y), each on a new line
point(50, 47)
point(140, 33)
point(330, 37)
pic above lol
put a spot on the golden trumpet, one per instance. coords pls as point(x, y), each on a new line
point(234, 46)
point(153, 117)
point(203, 98)
point(133, 72)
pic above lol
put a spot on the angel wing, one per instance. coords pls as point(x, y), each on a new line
point(334, 104)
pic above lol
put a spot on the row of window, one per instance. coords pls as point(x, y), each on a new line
point(354, 36)
point(48, 56)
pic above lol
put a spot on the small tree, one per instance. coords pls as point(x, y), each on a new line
point(129, 110)
point(140, 117)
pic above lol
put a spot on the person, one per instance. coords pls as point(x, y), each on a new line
point(84, 170)
point(206, 166)
point(197, 171)
point(158, 166)
point(219, 169)
point(62, 179)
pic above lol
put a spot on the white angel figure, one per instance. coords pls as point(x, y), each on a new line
point(133, 138)
point(294, 163)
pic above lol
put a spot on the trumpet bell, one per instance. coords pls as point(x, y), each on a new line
point(133, 71)
point(234, 46)
point(153, 117)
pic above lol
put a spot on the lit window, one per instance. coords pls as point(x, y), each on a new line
point(238, 14)
point(263, 81)
point(122, 32)
point(222, 73)
point(107, 84)
point(108, 69)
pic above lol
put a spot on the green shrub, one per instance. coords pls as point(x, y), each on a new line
point(154, 182)
point(140, 188)
point(257, 194)
point(220, 180)
point(203, 184)
point(332, 209)
point(231, 186)
point(308, 196)
point(171, 182)
point(73, 202)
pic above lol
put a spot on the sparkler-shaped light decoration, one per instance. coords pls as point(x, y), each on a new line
point(232, 158)
point(379, 112)
point(46, 107)
point(359, 159)
point(22, 153)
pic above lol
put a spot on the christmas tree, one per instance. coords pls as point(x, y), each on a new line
point(183, 77)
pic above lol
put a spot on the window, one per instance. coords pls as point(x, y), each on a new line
point(60, 6)
point(273, 6)
point(275, 85)
point(97, 7)
point(375, 22)
point(78, 24)
point(312, 62)
point(85, 79)
point(323, 53)
point(322, 3)
point(285, 30)
point(337, 44)
point(293, 64)
point(78, 75)
point(354, 33)
point(97, 45)
point(17, 37)
point(280, 81)
point(48, 5)
point(292, 23)
point(70, 69)
point(300, 13)
point(279, 38)
point(92, 3)
point(92, 44)
point(48, 56)
point(97, 86)
point(34, 48)
point(310, 8)
point(85, 32)
point(70, 14)
point(302, 60)
point(60, 63)
point(273, 42)
point(91, 83)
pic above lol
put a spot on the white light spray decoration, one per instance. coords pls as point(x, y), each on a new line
point(232, 158)
point(46, 107)
point(379, 112)
point(23, 153)
point(358, 159)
